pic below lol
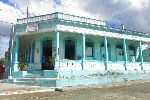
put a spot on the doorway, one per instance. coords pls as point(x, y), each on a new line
point(47, 52)
point(69, 49)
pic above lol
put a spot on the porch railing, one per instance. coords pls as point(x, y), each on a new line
point(94, 65)
point(100, 65)
point(133, 66)
point(73, 20)
point(70, 65)
point(31, 66)
point(116, 65)
point(146, 65)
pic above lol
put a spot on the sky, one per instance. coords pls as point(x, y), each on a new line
point(134, 14)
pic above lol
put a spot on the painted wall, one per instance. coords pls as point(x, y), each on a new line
point(97, 41)
point(146, 55)
point(98, 51)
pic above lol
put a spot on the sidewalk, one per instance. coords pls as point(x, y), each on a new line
point(9, 89)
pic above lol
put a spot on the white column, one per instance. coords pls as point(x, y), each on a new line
point(57, 51)
point(125, 53)
point(141, 55)
point(16, 49)
point(57, 45)
point(106, 52)
point(83, 50)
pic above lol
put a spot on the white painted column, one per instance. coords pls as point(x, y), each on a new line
point(57, 51)
point(141, 55)
point(83, 50)
point(16, 49)
point(11, 59)
point(125, 53)
point(57, 45)
point(106, 52)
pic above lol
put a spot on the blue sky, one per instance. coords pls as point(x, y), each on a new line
point(7, 2)
point(134, 14)
point(58, 1)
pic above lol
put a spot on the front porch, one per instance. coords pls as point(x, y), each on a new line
point(77, 53)
point(71, 68)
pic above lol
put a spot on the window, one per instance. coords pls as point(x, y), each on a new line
point(132, 50)
point(120, 48)
point(121, 52)
point(89, 49)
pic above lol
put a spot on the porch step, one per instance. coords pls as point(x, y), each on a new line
point(24, 81)
point(35, 74)
point(44, 82)
point(31, 75)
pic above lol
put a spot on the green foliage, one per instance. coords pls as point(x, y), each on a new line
point(2, 62)
point(22, 63)
point(50, 61)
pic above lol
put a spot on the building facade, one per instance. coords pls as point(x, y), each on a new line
point(79, 45)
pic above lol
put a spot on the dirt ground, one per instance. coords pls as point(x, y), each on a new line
point(137, 91)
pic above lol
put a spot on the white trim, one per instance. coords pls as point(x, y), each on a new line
point(101, 33)
point(38, 31)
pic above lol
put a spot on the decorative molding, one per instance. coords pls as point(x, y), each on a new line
point(32, 27)
point(101, 33)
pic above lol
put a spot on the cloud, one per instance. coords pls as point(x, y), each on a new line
point(134, 14)
point(8, 15)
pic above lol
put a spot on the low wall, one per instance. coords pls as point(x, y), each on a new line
point(80, 73)
point(107, 79)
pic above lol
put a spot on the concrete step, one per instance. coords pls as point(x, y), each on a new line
point(35, 74)
point(31, 75)
point(44, 82)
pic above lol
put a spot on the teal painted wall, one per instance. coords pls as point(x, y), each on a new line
point(146, 55)
point(96, 40)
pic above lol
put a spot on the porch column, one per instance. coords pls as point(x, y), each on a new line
point(125, 53)
point(106, 52)
point(57, 46)
point(11, 59)
point(141, 55)
point(57, 51)
point(83, 50)
point(16, 49)
point(31, 53)
point(10, 65)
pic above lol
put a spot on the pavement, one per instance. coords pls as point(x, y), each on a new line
point(9, 89)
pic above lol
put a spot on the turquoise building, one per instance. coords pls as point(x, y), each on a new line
point(79, 46)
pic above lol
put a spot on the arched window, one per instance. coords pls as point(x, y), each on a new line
point(103, 51)
point(69, 49)
point(102, 45)
point(132, 50)
point(89, 49)
point(120, 47)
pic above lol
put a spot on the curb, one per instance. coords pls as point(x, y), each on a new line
point(25, 91)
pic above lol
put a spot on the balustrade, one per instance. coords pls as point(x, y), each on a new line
point(70, 65)
point(81, 20)
point(133, 66)
point(31, 66)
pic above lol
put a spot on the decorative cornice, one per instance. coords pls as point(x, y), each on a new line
point(101, 33)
